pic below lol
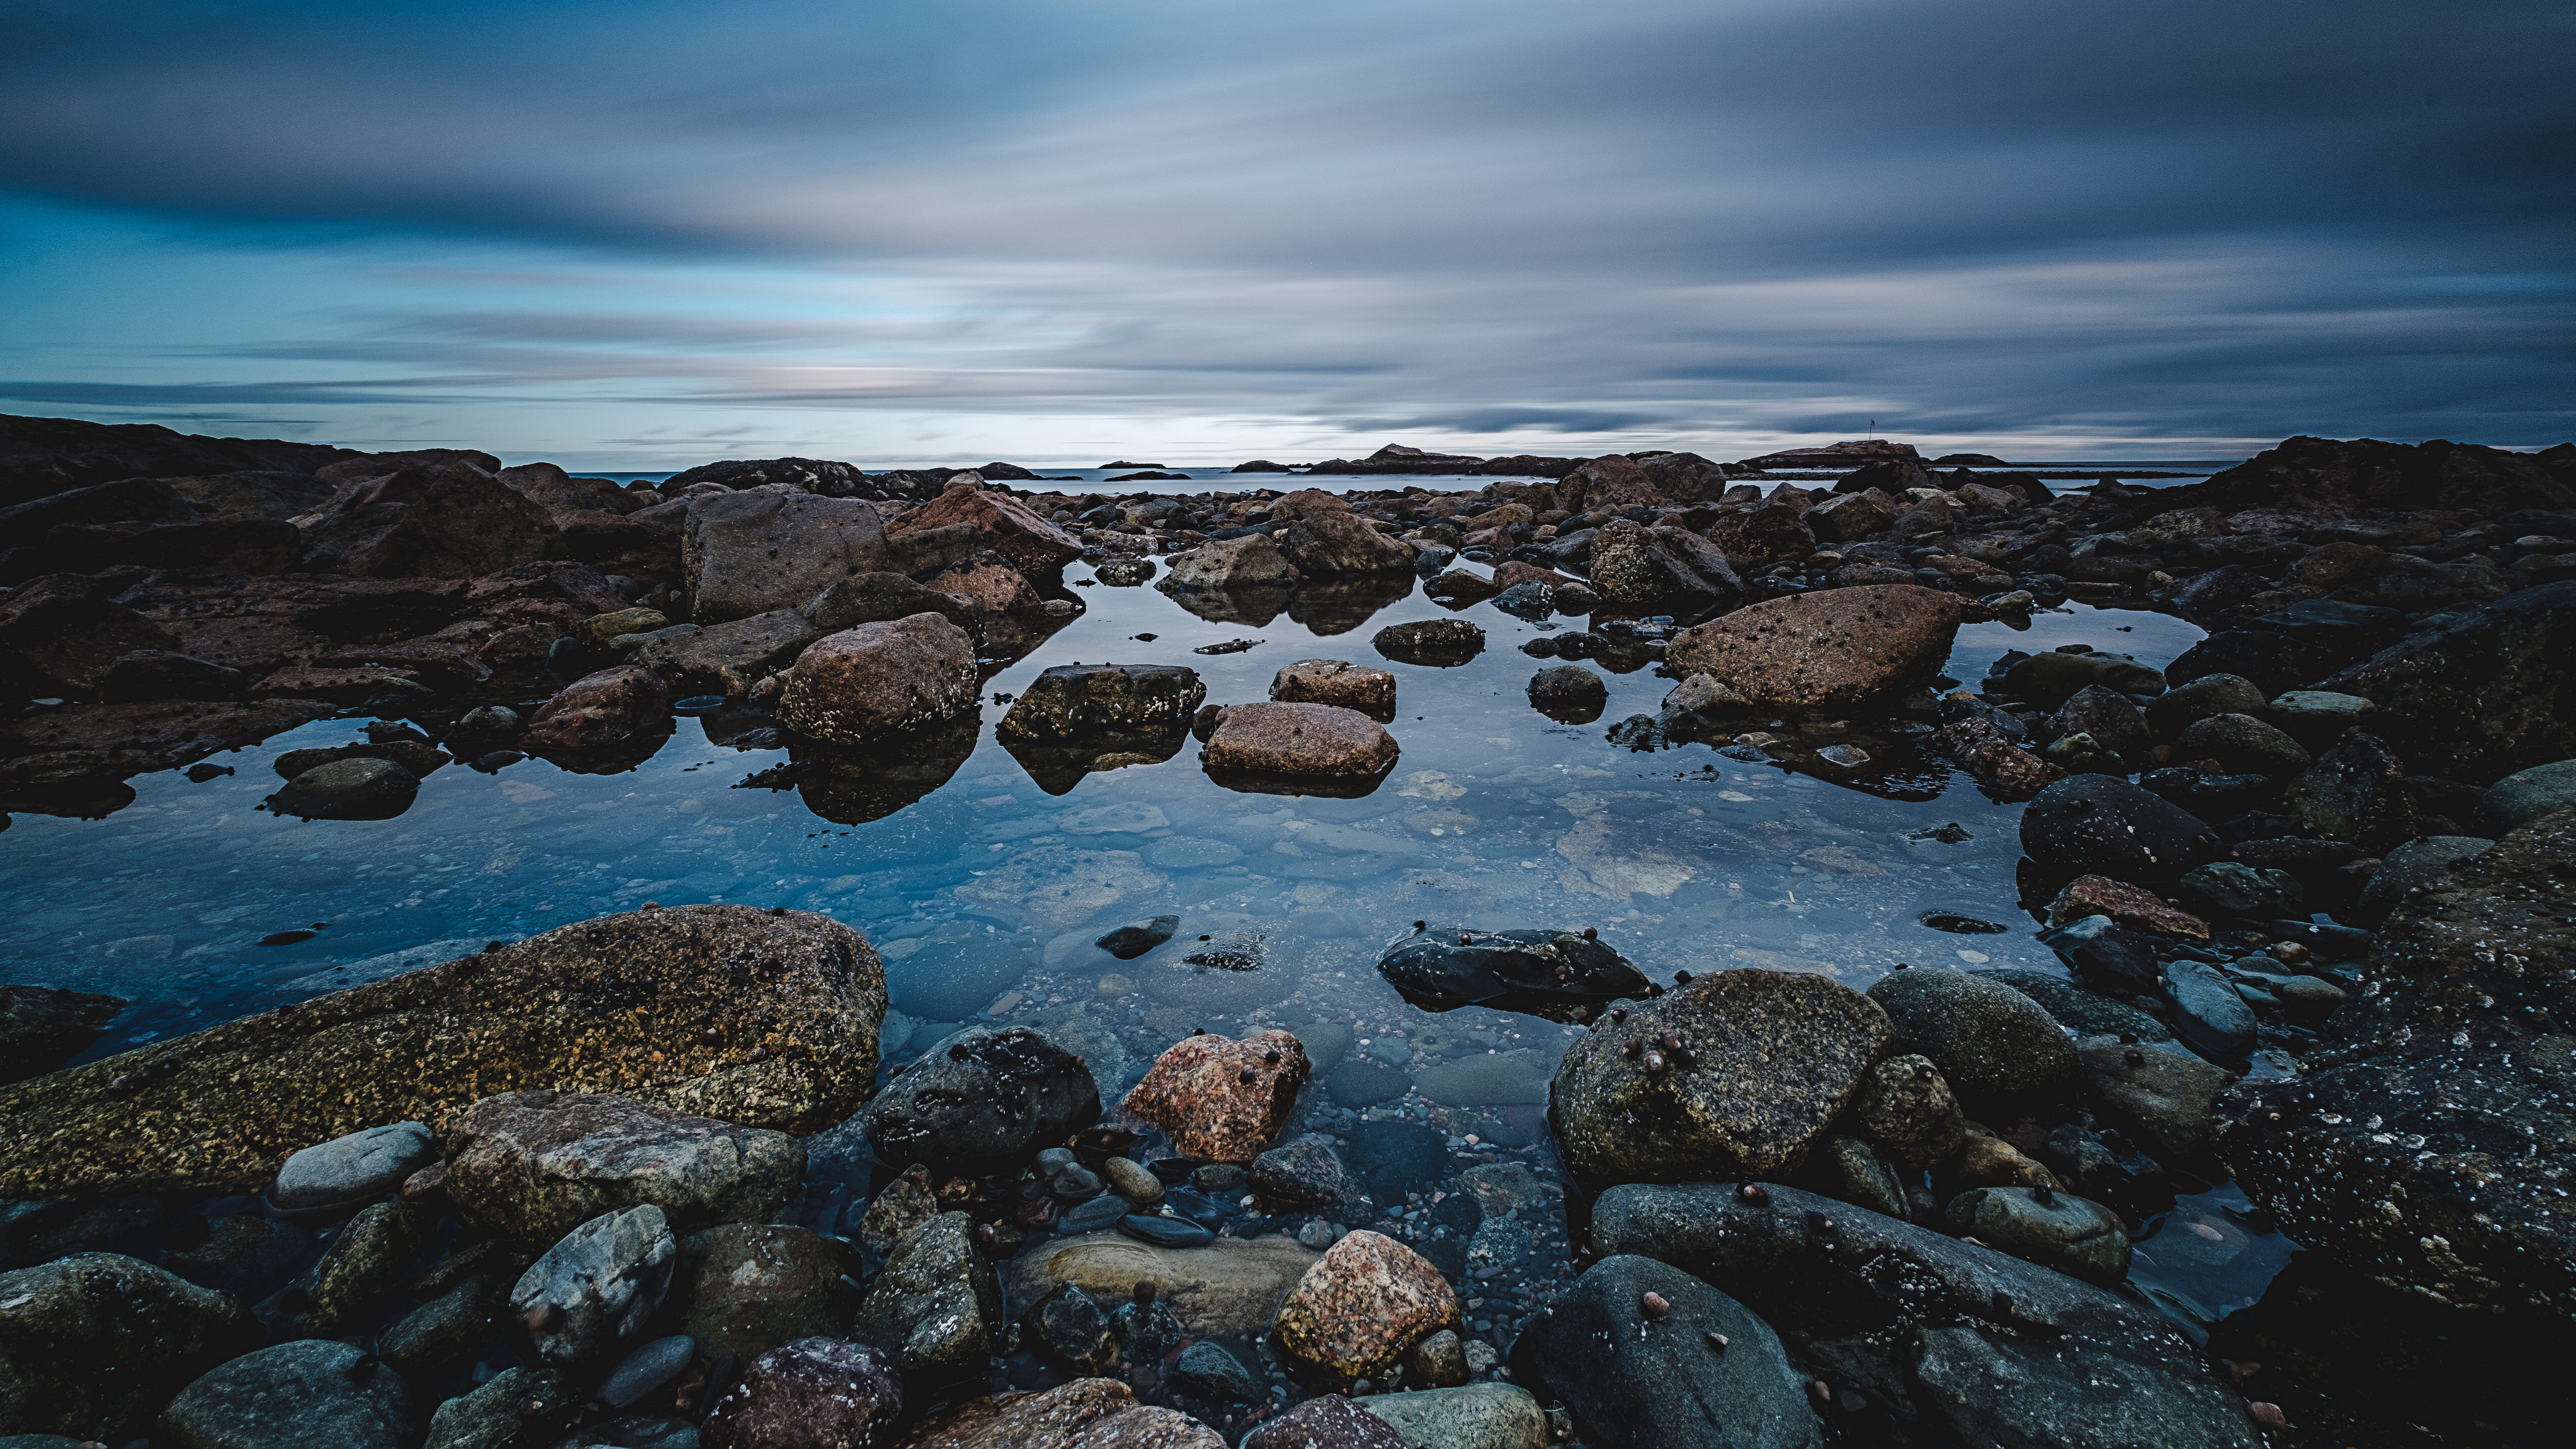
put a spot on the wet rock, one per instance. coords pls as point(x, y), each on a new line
point(1125, 573)
point(1478, 1416)
point(902, 1205)
point(2100, 825)
point(2126, 905)
point(1841, 646)
point(1084, 1414)
point(247, 1255)
point(987, 579)
point(619, 709)
point(366, 1260)
point(1761, 1063)
point(2004, 770)
point(1302, 1173)
point(516, 1407)
point(2108, 718)
point(1366, 1302)
point(1082, 701)
point(1568, 693)
point(360, 789)
point(1299, 740)
point(2051, 679)
point(882, 598)
point(1250, 562)
point(1661, 567)
point(415, 756)
point(1138, 937)
point(2317, 717)
point(1327, 1421)
point(588, 1299)
point(432, 1339)
point(982, 1100)
point(1439, 643)
point(935, 1308)
point(160, 674)
point(1131, 1179)
point(1070, 1322)
point(535, 1165)
point(1641, 1378)
point(2083, 1012)
point(751, 1287)
point(1002, 523)
point(2483, 695)
point(1933, 1322)
point(308, 1392)
point(2209, 1016)
point(2229, 888)
point(1907, 1112)
point(2243, 744)
point(2419, 864)
point(2056, 1230)
point(1324, 542)
point(220, 1109)
point(2160, 1096)
point(1222, 1099)
point(1334, 681)
point(2525, 796)
point(755, 551)
point(1207, 1370)
point(356, 1168)
point(41, 1027)
point(728, 658)
point(878, 680)
point(1849, 1170)
point(95, 1344)
point(2210, 694)
point(1560, 975)
point(1439, 1360)
point(2356, 791)
point(816, 1393)
point(1990, 1042)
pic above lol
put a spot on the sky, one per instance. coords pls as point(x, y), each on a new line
point(646, 235)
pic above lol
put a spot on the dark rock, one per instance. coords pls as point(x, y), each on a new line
point(1166, 1232)
point(2083, 1012)
point(1990, 1042)
point(1070, 1322)
point(1138, 937)
point(160, 674)
point(1560, 975)
point(2243, 744)
point(751, 1287)
point(816, 1393)
point(1439, 643)
point(96, 1343)
point(2058, 1230)
point(517, 1406)
point(61, 636)
point(882, 598)
point(247, 1255)
point(1207, 1370)
point(982, 1100)
point(2419, 864)
point(2481, 696)
point(41, 1027)
point(354, 789)
point(1907, 1113)
point(367, 1258)
point(2209, 1016)
point(1302, 1173)
point(2205, 796)
point(1079, 701)
point(416, 756)
point(935, 1308)
point(2109, 718)
point(2096, 824)
point(728, 658)
point(2207, 695)
point(434, 1338)
point(2049, 680)
point(308, 1392)
point(2232, 888)
point(536, 1165)
point(1642, 1379)
point(2356, 792)
point(589, 1298)
point(1569, 694)
point(1843, 646)
point(398, 518)
point(877, 681)
point(814, 475)
point(1327, 1421)
point(623, 709)
point(1850, 1170)
point(2527, 795)
point(2105, 956)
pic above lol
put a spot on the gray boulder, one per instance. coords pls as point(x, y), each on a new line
point(730, 656)
point(1990, 1042)
point(1477, 1416)
point(981, 1101)
point(2053, 1229)
point(355, 1168)
point(96, 1343)
point(1250, 562)
point(936, 1307)
point(1639, 1376)
point(2209, 1016)
point(589, 1298)
point(1327, 542)
point(536, 1165)
point(762, 549)
point(1669, 567)
point(309, 1392)
point(2526, 795)
point(516, 1407)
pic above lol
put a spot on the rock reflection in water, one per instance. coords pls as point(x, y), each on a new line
point(852, 785)
point(1338, 606)
point(1059, 767)
point(1255, 605)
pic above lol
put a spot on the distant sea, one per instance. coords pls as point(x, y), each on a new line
point(2149, 474)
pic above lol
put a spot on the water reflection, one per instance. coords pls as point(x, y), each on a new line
point(852, 785)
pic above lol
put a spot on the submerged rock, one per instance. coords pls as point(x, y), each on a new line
point(536, 1165)
point(1560, 975)
point(359, 789)
point(1439, 643)
point(767, 1020)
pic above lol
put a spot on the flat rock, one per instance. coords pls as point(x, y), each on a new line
point(97, 1343)
point(1369, 690)
point(1560, 975)
point(308, 1392)
point(1841, 646)
point(1439, 643)
point(1299, 740)
point(728, 658)
point(1641, 1379)
point(354, 1168)
point(765, 1020)
point(1228, 1288)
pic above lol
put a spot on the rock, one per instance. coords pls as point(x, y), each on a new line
point(2109, 718)
point(1084, 1414)
point(902, 1205)
point(1559, 975)
point(757, 551)
point(1478, 1416)
point(882, 598)
point(1250, 562)
point(728, 658)
point(1661, 567)
point(1302, 1173)
point(308, 1392)
point(61, 636)
point(815, 1393)
point(1439, 1360)
point(876, 680)
point(1082, 701)
point(2316, 717)
point(2419, 864)
point(1986, 1160)
point(935, 1308)
point(415, 519)
point(1569, 693)
point(2058, 1230)
point(2209, 1016)
point(1222, 1099)
point(1907, 1112)
point(751, 1287)
point(160, 674)
point(1847, 517)
point(1327, 1421)
point(2243, 744)
point(2482, 695)
point(1842, 646)
point(1131, 1180)
point(516, 1406)
point(2356, 791)
point(1990, 1042)
point(1299, 740)
point(355, 1168)
point(1125, 573)
point(369, 1256)
point(981, 1101)
point(1207, 1370)
point(2210, 694)
point(2101, 825)
point(1321, 543)
point(1932, 1322)
point(218, 1110)
point(1366, 1302)
point(2525, 796)
point(2160, 1096)
point(1772, 1060)
point(1640, 1378)
point(588, 1299)
point(1228, 1288)
point(96, 1343)
point(434, 1338)
point(1071, 1323)
point(360, 789)
point(1134, 939)
point(986, 579)
point(1002, 523)
point(1438, 643)
point(1335, 681)
point(2049, 680)
point(1849, 1170)
point(619, 709)
point(41, 1027)
point(2081, 1011)
point(2228, 888)
point(2127, 905)
point(535, 1165)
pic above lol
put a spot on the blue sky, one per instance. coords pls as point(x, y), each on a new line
point(645, 235)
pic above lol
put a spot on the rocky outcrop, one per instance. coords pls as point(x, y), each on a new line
point(426, 518)
point(751, 552)
point(2482, 696)
point(44, 456)
point(767, 1020)
point(1842, 646)
point(878, 680)
point(536, 1165)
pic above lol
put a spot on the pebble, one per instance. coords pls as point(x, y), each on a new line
point(1132, 1180)
point(1166, 1232)
point(1092, 1216)
point(646, 1369)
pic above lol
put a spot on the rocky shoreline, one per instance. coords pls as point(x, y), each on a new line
point(2313, 886)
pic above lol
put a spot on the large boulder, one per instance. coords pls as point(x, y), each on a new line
point(2482, 696)
point(866, 683)
point(2103, 825)
point(883, 597)
point(1737, 1073)
point(619, 709)
point(1661, 567)
point(1842, 646)
point(1691, 1367)
point(309, 1391)
point(1926, 1325)
point(442, 519)
point(982, 1101)
point(1608, 482)
point(1002, 523)
point(1250, 562)
point(750, 1287)
point(751, 552)
point(1326, 542)
point(536, 1165)
point(759, 1018)
point(1760, 537)
point(730, 657)
point(96, 1343)
point(2520, 798)
point(1222, 1098)
point(989, 580)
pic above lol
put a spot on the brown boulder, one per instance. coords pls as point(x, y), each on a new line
point(875, 680)
point(432, 518)
point(1034, 546)
point(1323, 543)
point(988, 578)
point(1612, 482)
point(616, 709)
point(1335, 681)
point(815, 1393)
point(1357, 1312)
point(1084, 1414)
point(1841, 646)
point(1220, 1098)
point(1299, 739)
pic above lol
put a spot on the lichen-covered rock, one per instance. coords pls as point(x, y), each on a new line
point(536, 1165)
point(981, 1101)
point(96, 1343)
point(41, 1027)
point(1363, 1305)
point(1249, 562)
point(1335, 681)
point(1735, 1073)
point(1326, 542)
point(1840, 646)
point(935, 1307)
point(1222, 1099)
point(311, 1391)
point(1672, 568)
point(876, 680)
point(1002, 523)
point(1908, 1113)
point(815, 1393)
point(1990, 1041)
point(767, 1020)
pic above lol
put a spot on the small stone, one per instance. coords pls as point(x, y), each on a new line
point(646, 1369)
point(1439, 1360)
point(819, 1392)
point(1198, 1091)
point(1207, 1370)
point(355, 1168)
point(1131, 1180)
point(1361, 1307)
